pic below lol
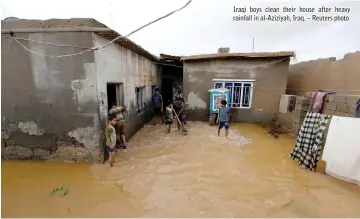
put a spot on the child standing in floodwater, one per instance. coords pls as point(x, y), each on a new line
point(169, 116)
point(181, 114)
point(110, 134)
point(223, 118)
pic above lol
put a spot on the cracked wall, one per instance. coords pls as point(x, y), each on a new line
point(116, 64)
point(270, 83)
point(49, 105)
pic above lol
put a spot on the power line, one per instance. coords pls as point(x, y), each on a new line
point(107, 44)
point(51, 44)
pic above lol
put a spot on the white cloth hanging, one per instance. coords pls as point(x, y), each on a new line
point(342, 149)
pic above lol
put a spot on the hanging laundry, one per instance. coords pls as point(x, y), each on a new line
point(292, 103)
point(284, 102)
point(357, 115)
point(317, 101)
point(312, 100)
point(309, 140)
point(342, 154)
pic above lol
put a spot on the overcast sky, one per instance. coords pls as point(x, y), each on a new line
point(206, 25)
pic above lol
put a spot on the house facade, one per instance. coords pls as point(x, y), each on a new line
point(255, 80)
point(55, 108)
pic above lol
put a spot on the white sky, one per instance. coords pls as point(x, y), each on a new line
point(205, 25)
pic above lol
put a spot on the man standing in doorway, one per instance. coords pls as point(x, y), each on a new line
point(118, 113)
point(158, 106)
point(178, 94)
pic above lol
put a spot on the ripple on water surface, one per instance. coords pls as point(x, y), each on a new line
point(193, 175)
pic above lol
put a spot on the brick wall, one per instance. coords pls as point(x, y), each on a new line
point(340, 105)
point(291, 121)
point(334, 105)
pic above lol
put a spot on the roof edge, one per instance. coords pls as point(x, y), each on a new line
point(217, 56)
point(74, 25)
point(169, 57)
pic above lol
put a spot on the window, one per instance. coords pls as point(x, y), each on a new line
point(140, 98)
point(240, 92)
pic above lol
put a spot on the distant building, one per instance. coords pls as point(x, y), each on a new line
point(255, 80)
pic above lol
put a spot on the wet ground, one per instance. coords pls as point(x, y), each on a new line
point(197, 175)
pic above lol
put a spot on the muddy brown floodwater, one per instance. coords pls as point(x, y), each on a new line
point(197, 175)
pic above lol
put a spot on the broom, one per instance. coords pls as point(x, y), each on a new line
point(177, 118)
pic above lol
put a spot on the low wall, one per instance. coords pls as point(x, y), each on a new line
point(334, 105)
point(291, 121)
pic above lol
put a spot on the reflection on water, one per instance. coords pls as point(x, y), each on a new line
point(197, 175)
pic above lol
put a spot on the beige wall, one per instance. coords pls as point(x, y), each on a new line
point(270, 83)
point(341, 76)
point(117, 64)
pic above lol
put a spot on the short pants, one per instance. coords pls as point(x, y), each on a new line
point(182, 118)
point(222, 124)
point(111, 150)
point(157, 112)
point(169, 122)
point(120, 128)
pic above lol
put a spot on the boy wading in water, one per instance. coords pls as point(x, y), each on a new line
point(110, 135)
point(223, 118)
point(169, 116)
point(180, 112)
point(118, 113)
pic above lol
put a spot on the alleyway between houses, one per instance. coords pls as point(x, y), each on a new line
point(197, 175)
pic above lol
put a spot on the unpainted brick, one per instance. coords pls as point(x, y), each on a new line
point(340, 98)
point(296, 126)
point(308, 94)
point(352, 110)
point(352, 99)
point(330, 98)
point(285, 122)
point(298, 114)
point(337, 113)
point(301, 107)
point(344, 108)
point(298, 119)
point(295, 131)
point(284, 115)
point(330, 106)
point(302, 101)
point(328, 112)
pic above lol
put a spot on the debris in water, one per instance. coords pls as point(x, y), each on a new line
point(62, 191)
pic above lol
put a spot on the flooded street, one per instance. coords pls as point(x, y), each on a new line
point(197, 175)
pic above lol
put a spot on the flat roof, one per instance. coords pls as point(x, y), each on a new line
point(238, 55)
point(73, 25)
point(169, 57)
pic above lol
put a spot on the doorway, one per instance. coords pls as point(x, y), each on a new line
point(167, 89)
point(115, 95)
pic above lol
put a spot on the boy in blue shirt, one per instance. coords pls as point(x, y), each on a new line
point(223, 118)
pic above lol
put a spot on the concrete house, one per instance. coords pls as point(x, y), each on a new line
point(55, 108)
point(256, 82)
